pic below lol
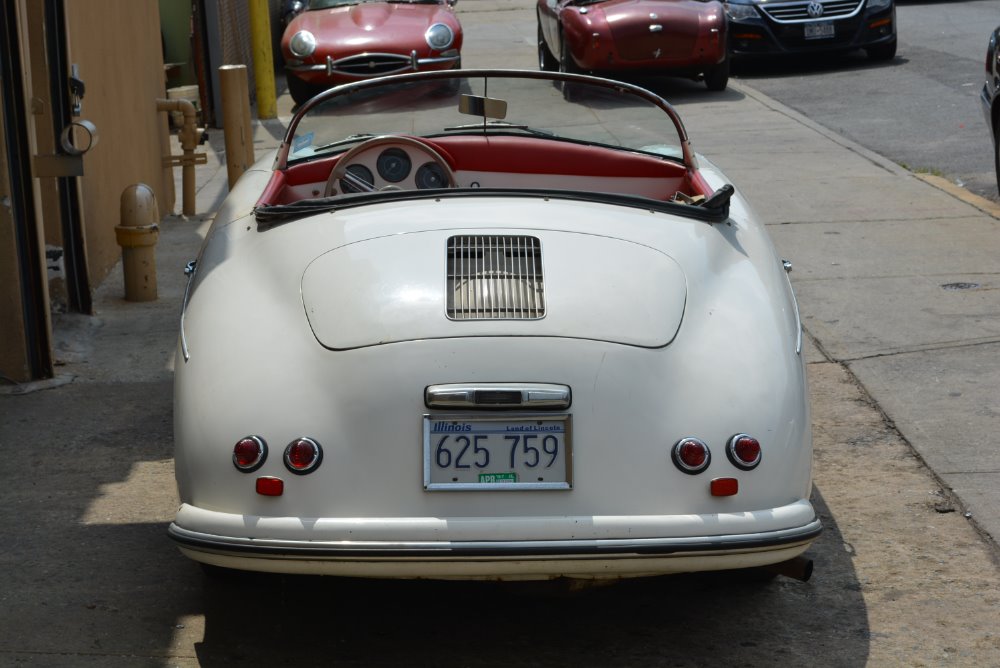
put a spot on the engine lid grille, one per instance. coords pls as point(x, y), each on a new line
point(495, 278)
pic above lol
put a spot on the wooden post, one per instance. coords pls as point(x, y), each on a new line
point(236, 126)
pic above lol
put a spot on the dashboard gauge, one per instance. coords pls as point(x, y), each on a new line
point(361, 172)
point(430, 175)
point(393, 165)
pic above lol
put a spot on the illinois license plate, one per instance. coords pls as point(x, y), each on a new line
point(497, 452)
point(819, 30)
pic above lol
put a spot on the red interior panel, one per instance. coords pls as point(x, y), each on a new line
point(517, 155)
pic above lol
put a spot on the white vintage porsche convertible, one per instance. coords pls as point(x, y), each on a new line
point(490, 324)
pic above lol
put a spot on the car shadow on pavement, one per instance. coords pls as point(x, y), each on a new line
point(675, 90)
point(748, 69)
point(90, 575)
point(684, 620)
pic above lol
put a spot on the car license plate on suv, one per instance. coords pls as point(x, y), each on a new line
point(819, 30)
point(500, 452)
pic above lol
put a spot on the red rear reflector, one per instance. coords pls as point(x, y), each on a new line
point(748, 35)
point(725, 487)
point(268, 486)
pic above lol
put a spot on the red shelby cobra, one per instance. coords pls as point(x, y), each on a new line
point(332, 42)
point(676, 37)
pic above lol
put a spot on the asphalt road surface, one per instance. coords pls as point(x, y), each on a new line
point(921, 109)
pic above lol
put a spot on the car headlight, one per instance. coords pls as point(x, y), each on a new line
point(439, 37)
point(740, 12)
point(878, 4)
point(302, 44)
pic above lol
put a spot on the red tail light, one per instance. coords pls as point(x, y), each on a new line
point(270, 486)
point(691, 455)
point(744, 451)
point(249, 453)
point(303, 455)
point(725, 487)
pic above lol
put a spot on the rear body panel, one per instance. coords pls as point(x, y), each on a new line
point(667, 36)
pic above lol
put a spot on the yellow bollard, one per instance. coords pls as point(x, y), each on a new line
point(263, 61)
point(137, 235)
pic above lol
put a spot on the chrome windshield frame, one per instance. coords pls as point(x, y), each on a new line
point(687, 153)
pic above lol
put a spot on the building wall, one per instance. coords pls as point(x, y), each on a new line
point(117, 46)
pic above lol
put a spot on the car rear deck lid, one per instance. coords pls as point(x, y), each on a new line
point(403, 288)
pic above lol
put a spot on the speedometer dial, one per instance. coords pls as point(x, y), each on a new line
point(393, 165)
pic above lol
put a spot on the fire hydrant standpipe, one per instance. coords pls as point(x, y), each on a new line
point(190, 137)
point(137, 235)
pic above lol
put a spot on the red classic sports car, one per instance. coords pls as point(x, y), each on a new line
point(677, 37)
point(337, 41)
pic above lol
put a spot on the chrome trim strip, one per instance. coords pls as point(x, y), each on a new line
point(787, 266)
point(189, 271)
point(582, 548)
point(464, 395)
point(330, 66)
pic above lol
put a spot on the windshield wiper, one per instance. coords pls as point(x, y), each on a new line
point(346, 140)
point(501, 125)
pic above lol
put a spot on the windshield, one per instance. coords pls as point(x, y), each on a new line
point(329, 4)
point(559, 107)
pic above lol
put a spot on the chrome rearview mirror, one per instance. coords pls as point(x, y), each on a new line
point(487, 107)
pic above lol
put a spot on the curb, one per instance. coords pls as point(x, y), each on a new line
point(989, 207)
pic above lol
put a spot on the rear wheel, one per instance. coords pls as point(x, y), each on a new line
point(546, 61)
point(717, 77)
point(880, 52)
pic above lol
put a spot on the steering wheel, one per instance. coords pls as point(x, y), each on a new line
point(347, 159)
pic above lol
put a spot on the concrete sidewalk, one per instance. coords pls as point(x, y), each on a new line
point(896, 280)
point(896, 277)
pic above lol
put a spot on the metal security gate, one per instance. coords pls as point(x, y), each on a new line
point(20, 204)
